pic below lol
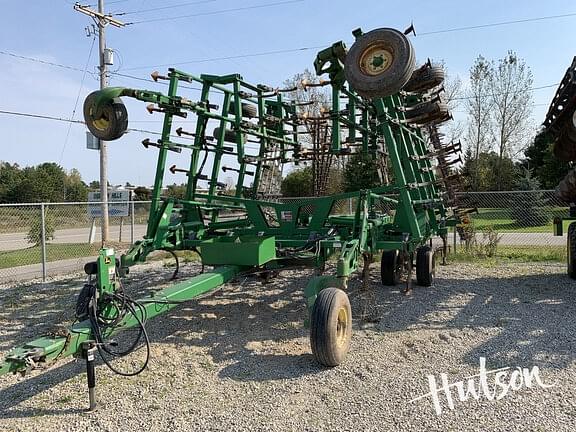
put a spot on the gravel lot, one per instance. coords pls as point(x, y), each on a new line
point(240, 360)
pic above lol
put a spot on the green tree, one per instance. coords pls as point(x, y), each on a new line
point(540, 159)
point(94, 185)
point(75, 189)
point(43, 183)
point(480, 173)
point(528, 207)
point(176, 191)
point(34, 235)
point(361, 172)
point(10, 177)
point(142, 193)
point(298, 183)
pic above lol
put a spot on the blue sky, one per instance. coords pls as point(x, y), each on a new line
point(54, 32)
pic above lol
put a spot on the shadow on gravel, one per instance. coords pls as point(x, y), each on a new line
point(255, 329)
point(14, 395)
point(534, 316)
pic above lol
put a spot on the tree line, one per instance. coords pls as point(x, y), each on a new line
point(46, 182)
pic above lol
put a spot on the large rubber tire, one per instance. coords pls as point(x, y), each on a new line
point(564, 147)
point(425, 266)
point(111, 123)
point(566, 189)
point(331, 327)
point(571, 246)
point(379, 63)
point(391, 266)
point(425, 78)
point(247, 110)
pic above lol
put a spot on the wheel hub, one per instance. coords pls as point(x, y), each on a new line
point(376, 59)
point(342, 326)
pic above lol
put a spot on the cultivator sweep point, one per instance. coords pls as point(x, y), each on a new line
point(380, 107)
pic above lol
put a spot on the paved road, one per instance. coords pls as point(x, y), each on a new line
point(12, 241)
point(18, 240)
point(80, 235)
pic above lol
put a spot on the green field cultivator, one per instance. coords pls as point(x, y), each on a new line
point(381, 106)
point(560, 128)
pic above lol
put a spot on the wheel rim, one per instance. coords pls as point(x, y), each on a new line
point(342, 326)
point(101, 123)
point(376, 59)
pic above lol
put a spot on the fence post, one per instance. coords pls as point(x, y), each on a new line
point(454, 231)
point(43, 240)
point(131, 222)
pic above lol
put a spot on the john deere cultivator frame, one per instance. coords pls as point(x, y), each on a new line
point(560, 127)
point(380, 107)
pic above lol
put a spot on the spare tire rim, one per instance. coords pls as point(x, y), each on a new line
point(342, 326)
point(101, 123)
point(376, 59)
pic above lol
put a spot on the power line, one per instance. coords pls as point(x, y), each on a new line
point(502, 23)
point(521, 91)
point(77, 99)
point(164, 7)
point(283, 51)
point(322, 46)
point(266, 5)
point(37, 60)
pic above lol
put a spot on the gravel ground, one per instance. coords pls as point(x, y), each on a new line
point(240, 360)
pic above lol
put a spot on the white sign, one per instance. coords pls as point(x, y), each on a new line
point(117, 204)
point(92, 143)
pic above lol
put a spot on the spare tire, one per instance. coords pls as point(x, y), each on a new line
point(379, 63)
point(112, 120)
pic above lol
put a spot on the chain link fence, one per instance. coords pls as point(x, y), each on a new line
point(40, 240)
point(512, 224)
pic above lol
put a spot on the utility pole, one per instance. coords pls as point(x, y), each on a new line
point(102, 20)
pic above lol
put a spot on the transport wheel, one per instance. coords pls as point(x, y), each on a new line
point(564, 147)
point(425, 266)
point(247, 110)
point(571, 246)
point(566, 189)
point(425, 78)
point(331, 327)
point(379, 63)
point(391, 266)
point(111, 123)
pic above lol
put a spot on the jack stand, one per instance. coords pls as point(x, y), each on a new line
point(408, 289)
point(89, 353)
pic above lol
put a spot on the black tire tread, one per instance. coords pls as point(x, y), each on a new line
point(571, 249)
point(424, 271)
point(326, 300)
point(388, 264)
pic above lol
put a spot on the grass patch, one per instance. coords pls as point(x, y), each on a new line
point(514, 254)
point(501, 220)
point(54, 252)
